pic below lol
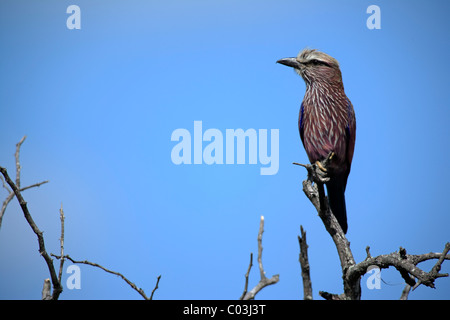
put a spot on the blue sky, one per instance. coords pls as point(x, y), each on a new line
point(99, 105)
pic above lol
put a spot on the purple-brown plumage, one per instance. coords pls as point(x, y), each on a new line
point(326, 122)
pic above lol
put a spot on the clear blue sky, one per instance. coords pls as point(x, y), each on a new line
point(99, 105)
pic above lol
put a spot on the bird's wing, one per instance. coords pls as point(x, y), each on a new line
point(300, 122)
point(350, 132)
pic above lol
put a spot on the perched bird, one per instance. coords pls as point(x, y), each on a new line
point(326, 122)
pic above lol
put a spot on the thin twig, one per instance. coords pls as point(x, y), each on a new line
point(57, 288)
point(131, 284)
point(260, 249)
point(18, 167)
point(429, 277)
point(368, 252)
point(246, 277)
point(437, 267)
point(11, 196)
point(5, 185)
point(5, 204)
point(156, 287)
point(264, 282)
point(61, 240)
point(10, 192)
point(34, 185)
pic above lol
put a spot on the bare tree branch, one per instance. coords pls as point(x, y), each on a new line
point(434, 273)
point(352, 272)
point(55, 279)
point(264, 282)
point(131, 284)
point(246, 277)
point(405, 292)
point(331, 296)
point(5, 204)
point(156, 287)
point(57, 288)
point(61, 240)
point(5, 186)
point(313, 189)
point(16, 155)
point(10, 192)
point(34, 185)
point(304, 263)
point(11, 196)
point(63, 257)
point(406, 265)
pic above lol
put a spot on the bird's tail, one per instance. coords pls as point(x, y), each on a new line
point(336, 199)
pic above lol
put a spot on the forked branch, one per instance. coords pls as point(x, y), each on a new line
point(57, 288)
point(352, 272)
point(5, 186)
point(264, 281)
point(55, 278)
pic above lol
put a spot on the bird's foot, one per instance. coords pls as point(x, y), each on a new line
point(321, 173)
point(318, 171)
point(318, 164)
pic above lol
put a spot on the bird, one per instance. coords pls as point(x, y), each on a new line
point(326, 123)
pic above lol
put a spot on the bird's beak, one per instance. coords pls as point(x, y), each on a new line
point(290, 62)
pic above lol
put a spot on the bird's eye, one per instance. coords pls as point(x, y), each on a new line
point(316, 62)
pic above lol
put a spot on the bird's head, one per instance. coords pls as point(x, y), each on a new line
point(315, 66)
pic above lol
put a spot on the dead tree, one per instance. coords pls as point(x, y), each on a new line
point(55, 277)
point(352, 272)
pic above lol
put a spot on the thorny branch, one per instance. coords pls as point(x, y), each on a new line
point(352, 272)
point(264, 281)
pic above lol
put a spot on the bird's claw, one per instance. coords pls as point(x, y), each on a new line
point(319, 173)
point(318, 164)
